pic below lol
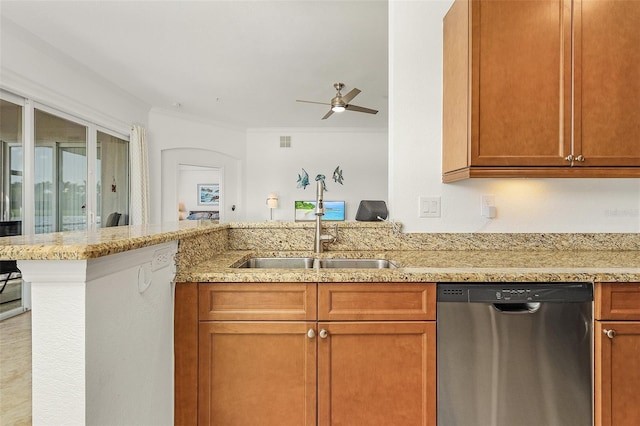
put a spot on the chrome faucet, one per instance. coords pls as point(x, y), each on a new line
point(319, 239)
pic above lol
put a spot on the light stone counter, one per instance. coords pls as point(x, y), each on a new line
point(78, 245)
point(432, 266)
point(420, 257)
point(208, 252)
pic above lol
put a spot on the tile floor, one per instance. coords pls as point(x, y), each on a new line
point(15, 370)
point(11, 295)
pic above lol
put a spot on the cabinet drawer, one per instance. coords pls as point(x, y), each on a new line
point(617, 301)
point(232, 302)
point(375, 302)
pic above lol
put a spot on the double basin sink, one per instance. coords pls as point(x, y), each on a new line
point(310, 262)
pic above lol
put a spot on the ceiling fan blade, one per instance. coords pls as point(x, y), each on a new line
point(327, 115)
point(361, 109)
point(352, 94)
point(312, 102)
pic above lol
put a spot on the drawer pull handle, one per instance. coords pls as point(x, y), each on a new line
point(609, 333)
point(311, 333)
point(324, 334)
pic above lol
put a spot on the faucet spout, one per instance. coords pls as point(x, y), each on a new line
point(317, 241)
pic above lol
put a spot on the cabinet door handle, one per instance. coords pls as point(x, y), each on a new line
point(569, 157)
point(609, 333)
point(311, 333)
point(579, 158)
point(324, 334)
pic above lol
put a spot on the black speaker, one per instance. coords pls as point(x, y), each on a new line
point(372, 211)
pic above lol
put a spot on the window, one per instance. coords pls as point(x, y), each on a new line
point(113, 179)
point(60, 174)
point(11, 175)
point(77, 176)
point(10, 161)
point(57, 173)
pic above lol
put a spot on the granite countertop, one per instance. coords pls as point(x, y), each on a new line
point(92, 244)
point(210, 252)
point(432, 266)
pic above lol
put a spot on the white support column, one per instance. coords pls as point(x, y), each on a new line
point(102, 333)
point(58, 340)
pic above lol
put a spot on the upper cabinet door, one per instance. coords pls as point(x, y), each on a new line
point(521, 82)
point(607, 82)
point(541, 88)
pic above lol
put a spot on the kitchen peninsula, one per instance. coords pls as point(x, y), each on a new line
point(103, 301)
point(102, 323)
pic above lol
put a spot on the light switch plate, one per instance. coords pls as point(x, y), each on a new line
point(429, 207)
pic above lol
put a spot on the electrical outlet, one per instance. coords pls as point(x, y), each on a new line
point(488, 201)
point(161, 258)
point(488, 206)
point(429, 207)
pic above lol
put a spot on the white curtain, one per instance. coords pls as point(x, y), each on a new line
point(139, 176)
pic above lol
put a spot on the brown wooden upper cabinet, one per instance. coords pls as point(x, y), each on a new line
point(544, 88)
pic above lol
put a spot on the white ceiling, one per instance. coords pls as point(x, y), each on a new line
point(238, 62)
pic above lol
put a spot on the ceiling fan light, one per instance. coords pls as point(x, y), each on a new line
point(337, 108)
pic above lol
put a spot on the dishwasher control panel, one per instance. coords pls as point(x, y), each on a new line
point(514, 292)
point(522, 294)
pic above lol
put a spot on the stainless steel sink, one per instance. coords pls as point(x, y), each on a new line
point(356, 263)
point(278, 262)
point(308, 262)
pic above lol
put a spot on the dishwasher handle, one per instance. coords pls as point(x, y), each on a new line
point(517, 308)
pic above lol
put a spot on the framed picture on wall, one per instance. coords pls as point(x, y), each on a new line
point(333, 210)
point(208, 194)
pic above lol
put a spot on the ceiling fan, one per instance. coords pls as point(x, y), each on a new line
point(340, 102)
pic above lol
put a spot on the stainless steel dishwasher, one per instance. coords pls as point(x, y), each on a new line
point(515, 354)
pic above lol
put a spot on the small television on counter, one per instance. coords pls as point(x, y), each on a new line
point(333, 211)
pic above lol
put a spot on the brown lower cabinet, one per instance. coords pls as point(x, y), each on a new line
point(377, 373)
point(617, 354)
point(305, 354)
point(256, 373)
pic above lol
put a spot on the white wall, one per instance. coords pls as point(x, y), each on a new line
point(32, 68)
point(129, 338)
point(176, 140)
point(415, 138)
point(362, 156)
